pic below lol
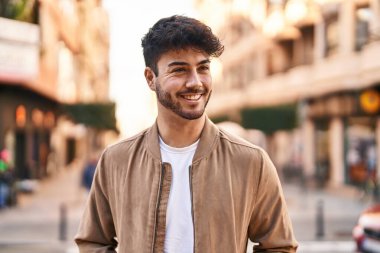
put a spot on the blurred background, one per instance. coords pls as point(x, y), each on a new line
point(300, 78)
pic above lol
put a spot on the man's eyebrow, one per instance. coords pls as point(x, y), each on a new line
point(204, 62)
point(180, 63)
point(177, 63)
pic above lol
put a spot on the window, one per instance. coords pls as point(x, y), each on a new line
point(363, 16)
point(331, 35)
point(239, 76)
point(305, 46)
point(20, 116)
point(281, 58)
point(37, 117)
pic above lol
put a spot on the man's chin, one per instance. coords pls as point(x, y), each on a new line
point(191, 115)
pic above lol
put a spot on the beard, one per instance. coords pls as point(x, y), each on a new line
point(168, 102)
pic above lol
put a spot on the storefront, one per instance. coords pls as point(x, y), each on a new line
point(360, 150)
point(27, 120)
point(345, 136)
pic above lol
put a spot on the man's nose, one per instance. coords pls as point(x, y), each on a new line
point(194, 80)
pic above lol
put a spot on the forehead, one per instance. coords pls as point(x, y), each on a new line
point(189, 56)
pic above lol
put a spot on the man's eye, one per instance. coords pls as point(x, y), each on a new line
point(179, 70)
point(204, 68)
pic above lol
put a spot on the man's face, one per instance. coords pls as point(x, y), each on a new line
point(183, 84)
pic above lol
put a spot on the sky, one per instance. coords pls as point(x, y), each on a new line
point(136, 104)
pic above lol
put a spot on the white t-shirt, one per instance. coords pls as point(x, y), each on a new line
point(179, 236)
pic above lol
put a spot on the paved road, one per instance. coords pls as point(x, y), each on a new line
point(340, 211)
point(34, 225)
point(36, 247)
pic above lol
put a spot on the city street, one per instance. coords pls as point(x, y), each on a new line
point(34, 225)
point(298, 78)
point(341, 208)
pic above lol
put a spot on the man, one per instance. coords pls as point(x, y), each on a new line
point(183, 185)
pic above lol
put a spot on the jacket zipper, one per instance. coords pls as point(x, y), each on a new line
point(157, 204)
point(192, 204)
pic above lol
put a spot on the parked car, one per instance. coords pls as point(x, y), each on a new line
point(367, 232)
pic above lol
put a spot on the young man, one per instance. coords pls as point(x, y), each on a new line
point(183, 185)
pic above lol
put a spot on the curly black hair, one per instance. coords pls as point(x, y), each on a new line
point(175, 33)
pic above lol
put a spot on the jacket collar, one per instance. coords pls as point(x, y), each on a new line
point(206, 143)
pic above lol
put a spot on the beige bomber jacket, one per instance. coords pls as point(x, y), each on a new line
point(236, 196)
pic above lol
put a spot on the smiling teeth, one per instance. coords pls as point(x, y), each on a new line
point(192, 97)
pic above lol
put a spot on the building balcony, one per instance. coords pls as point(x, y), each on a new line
point(336, 73)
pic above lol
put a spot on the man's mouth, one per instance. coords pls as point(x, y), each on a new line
point(192, 97)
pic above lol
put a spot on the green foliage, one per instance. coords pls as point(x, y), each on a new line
point(95, 115)
point(22, 10)
point(270, 119)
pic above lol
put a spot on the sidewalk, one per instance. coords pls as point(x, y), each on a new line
point(323, 219)
point(340, 212)
point(34, 224)
point(341, 209)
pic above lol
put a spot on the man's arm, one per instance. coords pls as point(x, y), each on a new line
point(270, 225)
point(96, 230)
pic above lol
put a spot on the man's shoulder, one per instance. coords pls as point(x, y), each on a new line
point(235, 141)
point(239, 151)
point(127, 143)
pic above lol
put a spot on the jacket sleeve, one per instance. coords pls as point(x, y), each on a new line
point(96, 233)
point(270, 225)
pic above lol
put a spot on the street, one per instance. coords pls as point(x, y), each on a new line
point(35, 225)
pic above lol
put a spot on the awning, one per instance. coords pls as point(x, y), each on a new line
point(270, 119)
point(95, 115)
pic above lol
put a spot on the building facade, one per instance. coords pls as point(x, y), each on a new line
point(46, 63)
point(318, 59)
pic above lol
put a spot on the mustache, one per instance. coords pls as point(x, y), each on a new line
point(196, 90)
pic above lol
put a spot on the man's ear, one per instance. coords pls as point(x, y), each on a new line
point(150, 78)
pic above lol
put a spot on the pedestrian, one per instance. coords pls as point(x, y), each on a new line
point(88, 172)
point(5, 179)
point(184, 185)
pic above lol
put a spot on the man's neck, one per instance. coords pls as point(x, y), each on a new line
point(180, 132)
